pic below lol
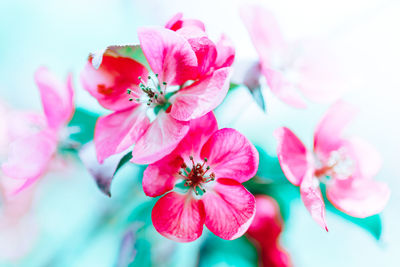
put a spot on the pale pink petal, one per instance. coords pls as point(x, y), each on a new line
point(176, 22)
point(109, 83)
point(358, 198)
point(201, 97)
point(229, 209)
point(328, 133)
point(283, 88)
point(293, 155)
point(264, 32)
point(312, 198)
point(118, 131)
point(160, 177)
point(178, 217)
point(160, 139)
point(57, 97)
point(231, 155)
point(225, 52)
point(169, 55)
point(205, 49)
point(30, 155)
point(321, 76)
point(367, 158)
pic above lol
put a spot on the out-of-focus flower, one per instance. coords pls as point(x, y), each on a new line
point(293, 69)
point(34, 142)
point(190, 77)
point(17, 227)
point(265, 230)
point(346, 166)
point(206, 169)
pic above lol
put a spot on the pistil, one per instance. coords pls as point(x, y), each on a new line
point(196, 177)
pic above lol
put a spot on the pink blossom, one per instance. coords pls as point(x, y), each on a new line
point(189, 78)
point(201, 180)
point(293, 70)
point(346, 165)
point(265, 230)
point(34, 137)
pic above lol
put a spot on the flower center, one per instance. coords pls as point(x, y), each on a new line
point(339, 165)
point(196, 176)
point(154, 93)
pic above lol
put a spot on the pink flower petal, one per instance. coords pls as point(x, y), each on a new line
point(267, 223)
point(264, 32)
point(57, 97)
point(265, 231)
point(178, 217)
point(109, 83)
point(205, 49)
point(225, 52)
point(321, 77)
point(328, 133)
point(282, 88)
point(176, 23)
point(160, 177)
point(201, 97)
point(293, 155)
point(312, 198)
point(29, 156)
point(201, 130)
point(360, 198)
point(229, 209)
point(169, 55)
point(160, 139)
point(118, 131)
point(231, 155)
point(368, 159)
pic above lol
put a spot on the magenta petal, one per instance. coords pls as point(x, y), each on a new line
point(160, 139)
point(360, 198)
point(30, 155)
point(57, 97)
point(201, 130)
point(265, 231)
point(229, 209)
point(225, 53)
point(328, 133)
point(312, 199)
point(118, 131)
point(293, 155)
point(160, 177)
point(109, 83)
point(178, 217)
point(201, 97)
point(169, 55)
point(205, 49)
point(231, 155)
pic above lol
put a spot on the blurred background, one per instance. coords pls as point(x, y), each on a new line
point(79, 226)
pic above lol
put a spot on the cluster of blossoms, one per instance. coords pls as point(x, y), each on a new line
point(162, 113)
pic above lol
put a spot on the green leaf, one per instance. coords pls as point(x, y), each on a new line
point(132, 51)
point(238, 252)
point(85, 121)
point(269, 167)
